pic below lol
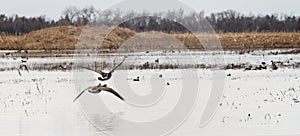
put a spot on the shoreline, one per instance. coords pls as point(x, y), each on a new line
point(87, 53)
point(249, 60)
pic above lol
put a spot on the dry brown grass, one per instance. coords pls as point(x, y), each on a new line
point(66, 37)
point(116, 37)
point(260, 40)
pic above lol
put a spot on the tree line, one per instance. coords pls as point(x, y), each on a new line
point(171, 21)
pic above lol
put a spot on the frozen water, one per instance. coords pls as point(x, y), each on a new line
point(262, 102)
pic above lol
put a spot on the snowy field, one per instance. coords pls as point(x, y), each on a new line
point(254, 102)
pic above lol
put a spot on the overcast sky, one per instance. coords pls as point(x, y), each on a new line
point(53, 8)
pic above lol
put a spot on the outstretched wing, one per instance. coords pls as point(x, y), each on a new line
point(97, 71)
point(118, 65)
point(107, 89)
point(80, 94)
point(26, 68)
point(19, 72)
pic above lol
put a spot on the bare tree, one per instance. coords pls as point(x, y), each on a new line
point(71, 13)
point(88, 13)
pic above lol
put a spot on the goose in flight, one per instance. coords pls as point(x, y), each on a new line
point(105, 76)
point(22, 67)
point(98, 89)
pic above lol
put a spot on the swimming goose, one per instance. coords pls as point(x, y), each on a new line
point(22, 67)
point(105, 76)
point(137, 79)
point(98, 89)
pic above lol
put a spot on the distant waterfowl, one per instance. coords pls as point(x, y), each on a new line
point(263, 67)
point(23, 61)
point(157, 60)
point(22, 67)
point(268, 116)
point(274, 66)
point(63, 67)
point(20, 51)
point(97, 89)
point(24, 57)
point(105, 76)
point(8, 53)
point(137, 79)
point(249, 67)
point(249, 116)
point(257, 67)
point(295, 100)
point(146, 65)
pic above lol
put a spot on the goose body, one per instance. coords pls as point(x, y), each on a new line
point(97, 89)
point(105, 75)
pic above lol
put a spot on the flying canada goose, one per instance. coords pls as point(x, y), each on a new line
point(97, 89)
point(105, 76)
point(22, 67)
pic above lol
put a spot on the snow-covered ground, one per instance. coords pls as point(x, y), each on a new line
point(264, 102)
